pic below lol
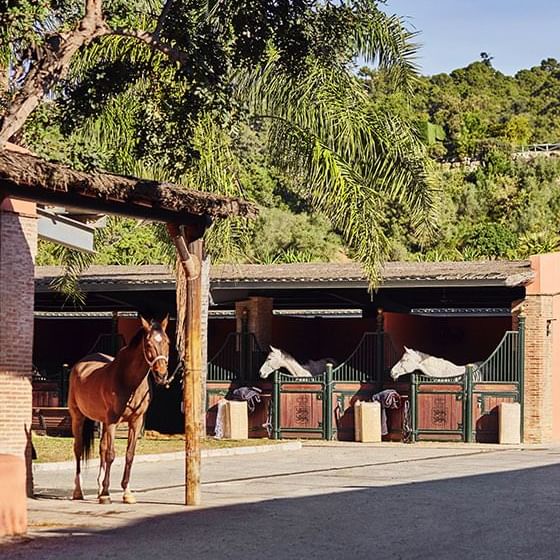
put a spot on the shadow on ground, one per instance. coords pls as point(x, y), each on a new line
point(509, 515)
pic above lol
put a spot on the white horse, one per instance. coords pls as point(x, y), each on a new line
point(414, 360)
point(277, 359)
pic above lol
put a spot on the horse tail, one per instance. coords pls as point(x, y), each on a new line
point(87, 438)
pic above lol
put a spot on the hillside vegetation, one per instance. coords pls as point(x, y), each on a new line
point(474, 120)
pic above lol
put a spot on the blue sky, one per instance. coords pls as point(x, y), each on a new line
point(517, 33)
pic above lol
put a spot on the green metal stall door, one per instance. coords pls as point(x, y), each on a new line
point(309, 407)
point(466, 408)
point(302, 406)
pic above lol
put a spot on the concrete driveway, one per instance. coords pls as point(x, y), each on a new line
point(327, 500)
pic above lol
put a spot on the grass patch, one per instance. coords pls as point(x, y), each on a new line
point(52, 449)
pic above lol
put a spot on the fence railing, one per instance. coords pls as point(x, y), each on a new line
point(504, 364)
point(532, 148)
point(238, 359)
point(370, 361)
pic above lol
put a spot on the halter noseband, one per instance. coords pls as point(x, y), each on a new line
point(152, 362)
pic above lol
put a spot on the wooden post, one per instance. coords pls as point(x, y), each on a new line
point(192, 391)
point(190, 251)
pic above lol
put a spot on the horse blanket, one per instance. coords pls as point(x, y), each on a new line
point(389, 398)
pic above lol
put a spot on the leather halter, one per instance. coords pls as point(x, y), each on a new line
point(151, 363)
point(158, 357)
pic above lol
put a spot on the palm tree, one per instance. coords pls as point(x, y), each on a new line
point(159, 89)
point(346, 158)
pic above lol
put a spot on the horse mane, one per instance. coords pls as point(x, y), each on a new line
point(287, 356)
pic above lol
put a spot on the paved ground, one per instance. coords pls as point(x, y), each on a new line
point(324, 501)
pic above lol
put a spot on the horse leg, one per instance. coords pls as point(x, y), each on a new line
point(134, 427)
point(109, 436)
point(77, 431)
point(102, 459)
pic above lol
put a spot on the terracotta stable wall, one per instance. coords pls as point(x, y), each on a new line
point(18, 246)
point(555, 343)
point(461, 340)
point(542, 352)
point(319, 338)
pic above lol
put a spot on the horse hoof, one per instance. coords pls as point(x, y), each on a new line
point(129, 499)
point(77, 496)
point(104, 500)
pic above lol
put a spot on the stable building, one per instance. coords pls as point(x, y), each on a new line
point(465, 312)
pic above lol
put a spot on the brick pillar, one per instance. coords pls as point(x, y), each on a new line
point(18, 246)
point(258, 311)
point(538, 310)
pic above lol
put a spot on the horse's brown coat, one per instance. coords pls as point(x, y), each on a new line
point(111, 391)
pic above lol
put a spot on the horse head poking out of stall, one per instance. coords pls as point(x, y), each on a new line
point(280, 359)
point(431, 366)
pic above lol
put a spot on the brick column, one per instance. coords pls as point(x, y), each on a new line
point(538, 370)
point(18, 246)
point(258, 311)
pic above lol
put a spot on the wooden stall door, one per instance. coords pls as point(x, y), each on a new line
point(440, 411)
point(301, 410)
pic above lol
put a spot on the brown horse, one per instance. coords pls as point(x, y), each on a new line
point(115, 390)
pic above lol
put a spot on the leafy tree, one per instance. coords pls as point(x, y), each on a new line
point(490, 240)
point(517, 130)
point(486, 58)
point(125, 241)
point(144, 85)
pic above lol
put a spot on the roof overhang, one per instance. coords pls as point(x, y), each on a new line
point(420, 289)
point(27, 177)
point(461, 311)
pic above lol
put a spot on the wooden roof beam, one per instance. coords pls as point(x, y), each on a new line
point(27, 177)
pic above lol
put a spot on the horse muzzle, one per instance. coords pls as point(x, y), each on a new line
point(158, 367)
point(161, 378)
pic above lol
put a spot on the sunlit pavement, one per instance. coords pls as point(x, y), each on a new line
point(323, 501)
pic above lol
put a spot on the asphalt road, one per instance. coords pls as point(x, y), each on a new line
point(325, 501)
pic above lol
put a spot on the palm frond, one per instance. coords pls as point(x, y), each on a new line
point(350, 161)
point(385, 41)
point(75, 263)
point(112, 131)
point(217, 170)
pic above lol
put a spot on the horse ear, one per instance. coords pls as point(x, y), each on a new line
point(164, 322)
point(406, 349)
point(145, 324)
point(272, 349)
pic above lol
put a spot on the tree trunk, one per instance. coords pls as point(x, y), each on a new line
point(51, 69)
point(192, 395)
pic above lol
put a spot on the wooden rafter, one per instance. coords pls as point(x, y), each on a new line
point(28, 177)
